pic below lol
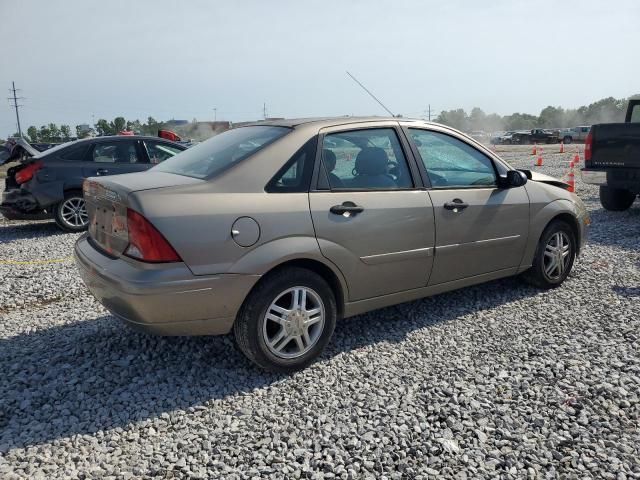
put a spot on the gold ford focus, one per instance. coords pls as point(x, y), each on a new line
point(275, 230)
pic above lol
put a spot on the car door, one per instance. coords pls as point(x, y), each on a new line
point(114, 156)
point(480, 227)
point(371, 219)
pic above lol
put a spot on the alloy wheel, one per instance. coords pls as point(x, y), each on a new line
point(557, 255)
point(294, 322)
point(74, 212)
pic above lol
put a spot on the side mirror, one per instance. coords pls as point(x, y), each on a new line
point(513, 179)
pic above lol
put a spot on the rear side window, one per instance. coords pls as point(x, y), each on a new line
point(160, 151)
point(74, 153)
point(115, 152)
point(295, 175)
point(370, 159)
point(635, 114)
point(209, 158)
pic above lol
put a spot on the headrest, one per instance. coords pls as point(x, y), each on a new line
point(372, 161)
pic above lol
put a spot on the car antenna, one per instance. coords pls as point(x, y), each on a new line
point(372, 95)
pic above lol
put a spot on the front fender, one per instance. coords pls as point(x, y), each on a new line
point(542, 217)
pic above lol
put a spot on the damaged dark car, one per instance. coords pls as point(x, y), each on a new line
point(44, 185)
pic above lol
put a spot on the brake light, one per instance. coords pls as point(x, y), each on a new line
point(588, 144)
point(146, 243)
point(28, 172)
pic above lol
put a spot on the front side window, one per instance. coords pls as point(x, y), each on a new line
point(209, 158)
point(115, 152)
point(451, 163)
point(369, 159)
point(160, 151)
point(635, 114)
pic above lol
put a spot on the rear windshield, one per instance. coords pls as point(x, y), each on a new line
point(222, 151)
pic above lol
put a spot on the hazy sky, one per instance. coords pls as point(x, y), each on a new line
point(180, 59)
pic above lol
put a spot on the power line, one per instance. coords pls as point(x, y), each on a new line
point(15, 99)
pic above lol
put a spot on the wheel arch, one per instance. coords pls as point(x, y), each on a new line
point(334, 279)
point(560, 209)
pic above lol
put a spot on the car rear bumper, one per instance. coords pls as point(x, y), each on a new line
point(19, 204)
point(163, 299)
point(594, 177)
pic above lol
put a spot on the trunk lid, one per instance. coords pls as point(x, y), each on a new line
point(108, 198)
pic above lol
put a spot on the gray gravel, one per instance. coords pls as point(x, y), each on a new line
point(499, 380)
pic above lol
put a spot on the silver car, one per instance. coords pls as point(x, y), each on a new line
point(276, 230)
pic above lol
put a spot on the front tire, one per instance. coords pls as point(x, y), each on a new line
point(567, 140)
point(554, 257)
point(616, 199)
point(287, 320)
point(71, 213)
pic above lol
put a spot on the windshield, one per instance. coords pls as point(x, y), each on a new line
point(222, 151)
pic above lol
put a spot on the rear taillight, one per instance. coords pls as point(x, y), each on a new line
point(146, 243)
point(28, 172)
point(588, 144)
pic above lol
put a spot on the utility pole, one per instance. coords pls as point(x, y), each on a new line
point(429, 112)
point(15, 99)
point(215, 114)
point(264, 110)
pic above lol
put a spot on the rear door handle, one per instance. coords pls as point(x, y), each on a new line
point(456, 204)
point(347, 209)
point(102, 171)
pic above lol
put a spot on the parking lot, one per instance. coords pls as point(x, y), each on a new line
point(496, 380)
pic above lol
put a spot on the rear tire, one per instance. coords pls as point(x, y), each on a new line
point(277, 328)
point(71, 213)
point(567, 140)
point(554, 257)
point(616, 199)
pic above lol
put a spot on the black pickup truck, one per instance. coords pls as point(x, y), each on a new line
point(612, 160)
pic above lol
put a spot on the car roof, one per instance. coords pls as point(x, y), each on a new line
point(329, 121)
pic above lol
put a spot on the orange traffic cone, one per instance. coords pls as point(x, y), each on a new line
point(534, 151)
point(576, 159)
point(539, 161)
point(572, 181)
point(561, 147)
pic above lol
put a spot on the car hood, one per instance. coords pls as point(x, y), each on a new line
point(548, 179)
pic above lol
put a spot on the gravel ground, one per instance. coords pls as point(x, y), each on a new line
point(498, 380)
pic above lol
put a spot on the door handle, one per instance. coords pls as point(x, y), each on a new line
point(347, 209)
point(456, 205)
point(102, 171)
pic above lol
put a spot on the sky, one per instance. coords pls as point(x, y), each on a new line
point(78, 61)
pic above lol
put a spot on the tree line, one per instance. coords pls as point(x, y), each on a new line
point(52, 133)
point(605, 110)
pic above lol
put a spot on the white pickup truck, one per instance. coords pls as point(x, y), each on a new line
point(575, 134)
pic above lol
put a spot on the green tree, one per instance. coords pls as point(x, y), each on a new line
point(54, 133)
point(118, 124)
point(477, 119)
point(454, 118)
point(551, 117)
point(44, 135)
point(33, 133)
point(65, 133)
point(103, 128)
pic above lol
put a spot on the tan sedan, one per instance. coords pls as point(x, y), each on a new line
point(275, 230)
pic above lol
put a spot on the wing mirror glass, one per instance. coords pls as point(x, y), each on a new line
point(514, 179)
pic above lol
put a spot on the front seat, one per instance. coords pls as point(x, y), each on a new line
point(371, 169)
